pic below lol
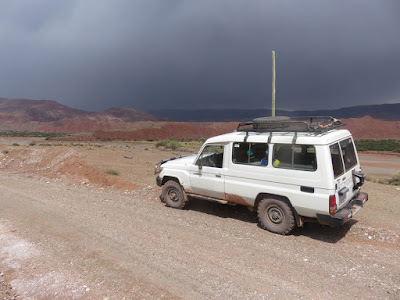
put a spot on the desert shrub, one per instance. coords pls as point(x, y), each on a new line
point(15, 144)
point(112, 172)
point(45, 144)
point(168, 144)
point(5, 151)
point(381, 145)
point(32, 144)
point(375, 179)
point(395, 180)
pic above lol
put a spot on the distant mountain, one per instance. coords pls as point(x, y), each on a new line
point(390, 112)
point(129, 114)
point(132, 124)
point(49, 115)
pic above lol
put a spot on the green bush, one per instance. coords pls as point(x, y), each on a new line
point(32, 144)
point(32, 134)
point(381, 145)
point(4, 151)
point(15, 144)
point(168, 144)
point(112, 172)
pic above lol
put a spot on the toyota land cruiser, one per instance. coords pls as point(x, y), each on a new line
point(290, 171)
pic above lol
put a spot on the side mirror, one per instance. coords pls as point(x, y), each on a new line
point(200, 166)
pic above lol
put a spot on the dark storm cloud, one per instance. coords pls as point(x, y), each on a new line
point(200, 54)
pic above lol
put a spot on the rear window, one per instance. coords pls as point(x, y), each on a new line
point(343, 156)
point(337, 163)
point(298, 157)
point(348, 153)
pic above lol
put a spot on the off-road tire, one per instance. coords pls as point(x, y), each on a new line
point(173, 194)
point(270, 122)
point(276, 216)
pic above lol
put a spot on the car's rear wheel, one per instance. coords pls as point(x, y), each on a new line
point(276, 216)
point(173, 194)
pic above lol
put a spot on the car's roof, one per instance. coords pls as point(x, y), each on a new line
point(313, 138)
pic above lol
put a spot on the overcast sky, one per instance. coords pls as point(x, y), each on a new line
point(156, 54)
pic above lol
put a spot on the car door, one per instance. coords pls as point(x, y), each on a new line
point(344, 160)
point(207, 173)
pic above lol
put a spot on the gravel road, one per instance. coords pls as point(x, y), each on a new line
point(60, 240)
point(380, 165)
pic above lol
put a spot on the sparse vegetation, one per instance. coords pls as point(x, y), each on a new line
point(381, 145)
point(112, 172)
point(5, 151)
point(32, 144)
point(394, 180)
point(15, 144)
point(45, 135)
point(168, 144)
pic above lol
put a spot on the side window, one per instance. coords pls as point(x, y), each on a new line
point(250, 153)
point(348, 153)
point(337, 163)
point(297, 157)
point(211, 156)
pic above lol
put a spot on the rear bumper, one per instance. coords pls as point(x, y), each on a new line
point(345, 213)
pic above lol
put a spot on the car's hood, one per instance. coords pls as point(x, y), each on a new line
point(186, 160)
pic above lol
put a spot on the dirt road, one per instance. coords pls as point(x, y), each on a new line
point(380, 165)
point(67, 239)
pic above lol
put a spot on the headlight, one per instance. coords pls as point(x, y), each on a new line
point(157, 169)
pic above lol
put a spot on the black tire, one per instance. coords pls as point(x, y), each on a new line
point(173, 194)
point(276, 216)
point(270, 122)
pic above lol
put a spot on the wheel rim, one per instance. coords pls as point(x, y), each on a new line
point(173, 195)
point(275, 215)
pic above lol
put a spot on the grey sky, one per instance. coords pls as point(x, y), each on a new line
point(154, 54)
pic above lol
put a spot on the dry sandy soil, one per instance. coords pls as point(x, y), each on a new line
point(69, 230)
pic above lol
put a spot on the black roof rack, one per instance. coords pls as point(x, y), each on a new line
point(315, 124)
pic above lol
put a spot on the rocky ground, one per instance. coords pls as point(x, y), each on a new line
point(70, 230)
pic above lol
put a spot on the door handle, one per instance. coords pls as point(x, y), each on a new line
point(218, 175)
point(343, 191)
point(307, 189)
point(196, 173)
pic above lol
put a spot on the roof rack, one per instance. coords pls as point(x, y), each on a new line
point(317, 124)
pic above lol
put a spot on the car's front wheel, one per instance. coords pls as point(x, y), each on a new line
point(173, 194)
point(276, 216)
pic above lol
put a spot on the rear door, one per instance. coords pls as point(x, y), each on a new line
point(344, 161)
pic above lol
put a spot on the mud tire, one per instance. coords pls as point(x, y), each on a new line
point(276, 216)
point(173, 194)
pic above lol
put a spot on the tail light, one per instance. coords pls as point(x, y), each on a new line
point(332, 205)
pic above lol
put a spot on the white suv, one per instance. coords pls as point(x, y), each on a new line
point(290, 171)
